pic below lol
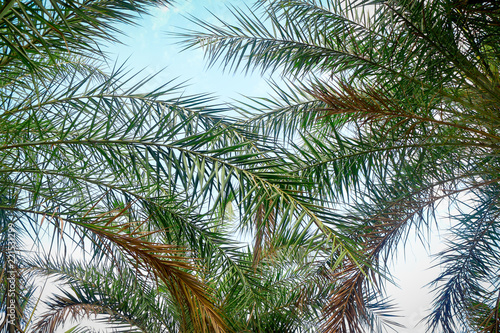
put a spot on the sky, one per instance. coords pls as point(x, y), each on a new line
point(149, 48)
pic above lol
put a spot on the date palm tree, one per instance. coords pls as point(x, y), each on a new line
point(392, 111)
point(75, 152)
point(81, 151)
point(115, 295)
point(142, 179)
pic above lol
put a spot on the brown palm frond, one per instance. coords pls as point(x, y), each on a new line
point(166, 262)
point(265, 225)
point(488, 319)
point(346, 310)
point(372, 107)
point(347, 305)
point(50, 320)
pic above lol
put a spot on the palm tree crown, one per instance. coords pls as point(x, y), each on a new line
point(144, 182)
point(396, 104)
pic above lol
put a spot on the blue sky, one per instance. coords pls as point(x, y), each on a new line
point(151, 48)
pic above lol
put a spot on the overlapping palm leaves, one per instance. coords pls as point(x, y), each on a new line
point(74, 144)
point(145, 178)
point(125, 301)
point(80, 160)
point(397, 113)
point(115, 292)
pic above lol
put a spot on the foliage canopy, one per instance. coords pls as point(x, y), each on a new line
point(392, 111)
point(396, 104)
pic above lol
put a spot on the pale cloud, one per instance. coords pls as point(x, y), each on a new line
point(163, 14)
point(160, 18)
point(185, 7)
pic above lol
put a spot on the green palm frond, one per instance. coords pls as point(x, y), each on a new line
point(469, 281)
point(32, 30)
point(118, 297)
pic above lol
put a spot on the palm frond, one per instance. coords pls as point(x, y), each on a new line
point(32, 30)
